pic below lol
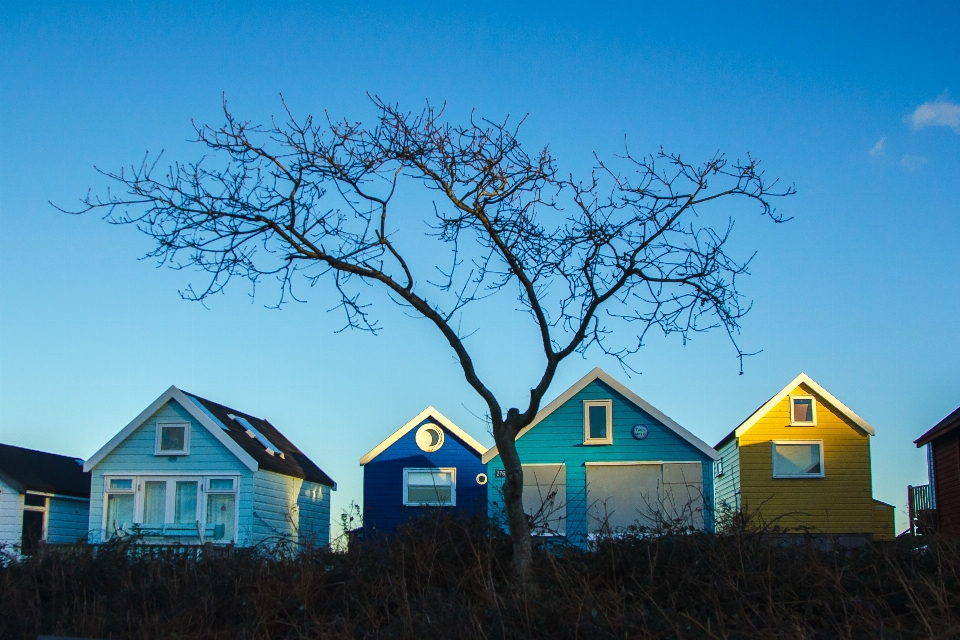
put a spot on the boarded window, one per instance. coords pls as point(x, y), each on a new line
point(683, 494)
point(645, 495)
point(545, 497)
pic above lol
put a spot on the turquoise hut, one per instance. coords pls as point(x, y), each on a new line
point(600, 459)
point(189, 470)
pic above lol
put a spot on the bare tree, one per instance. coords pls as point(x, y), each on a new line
point(631, 247)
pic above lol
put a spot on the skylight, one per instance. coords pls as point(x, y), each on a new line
point(252, 431)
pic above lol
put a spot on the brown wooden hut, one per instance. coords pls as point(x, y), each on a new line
point(944, 462)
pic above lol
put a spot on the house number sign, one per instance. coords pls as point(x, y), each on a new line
point(640, 431)
point(501, 473)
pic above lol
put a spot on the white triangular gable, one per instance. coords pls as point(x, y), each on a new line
point(437, 417)
point(200, 416)
point(600, 374)
point(820, 391)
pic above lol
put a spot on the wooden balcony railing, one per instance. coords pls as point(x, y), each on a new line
point(922, 507)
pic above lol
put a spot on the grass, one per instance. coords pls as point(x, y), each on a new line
point(452, 578)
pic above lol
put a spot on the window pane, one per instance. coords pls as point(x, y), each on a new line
point(185, 503)
point(221, 484)
point(31, 500)
point(154, 502)
point(172, 438)
point(432, 495)
point(221, 509)
point(598, 422)
point(121, 483)
point(545, 497)
point(798, 459)
point(803, 410)
point(119, 512)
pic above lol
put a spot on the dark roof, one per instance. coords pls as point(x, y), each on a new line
point(30, 470)
point(949, 423)
point(730, 436)
point(294, 462)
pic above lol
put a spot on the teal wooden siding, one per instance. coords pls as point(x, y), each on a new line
point(67, 520)
point(728, 484)
point(313, 504)
point(135, 456)
point(559, 439)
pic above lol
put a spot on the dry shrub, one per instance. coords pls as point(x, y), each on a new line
point(452, 578)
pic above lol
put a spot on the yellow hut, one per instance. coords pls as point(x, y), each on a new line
point(801, 462)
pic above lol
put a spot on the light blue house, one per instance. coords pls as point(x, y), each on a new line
point(429, 465)
point(189, 470)
point(599, 459)
point(44, 498)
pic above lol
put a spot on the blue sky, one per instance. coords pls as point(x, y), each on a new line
point(856, 105)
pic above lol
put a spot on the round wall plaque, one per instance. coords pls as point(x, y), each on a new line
point(481, 478)
point(429, 437)
point(640, 431)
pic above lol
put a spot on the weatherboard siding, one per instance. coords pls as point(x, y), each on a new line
point(314, 508)
point(276, 515)
point(559, 439)
point(67, 520)
point(946, 481)
point(11, 518)
point(840, 502)
point(728, 483)
point(383, 508)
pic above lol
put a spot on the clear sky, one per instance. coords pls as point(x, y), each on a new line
point(861, 290)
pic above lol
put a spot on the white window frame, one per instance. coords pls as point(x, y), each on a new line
point(203, 489)
point(453, 487)
point(157, 451)
point(587, 404)
point(813, 411)
point(773, 453)
point(718, 467)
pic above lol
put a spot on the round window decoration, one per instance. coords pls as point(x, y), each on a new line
point(429, 437)
point(640, 431)
point(481, 478)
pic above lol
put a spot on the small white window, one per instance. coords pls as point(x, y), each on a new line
point(795, 459)
point(430, 487)
point(598, 422)
point(718, 467)
point(803, 411)
point(173, 439)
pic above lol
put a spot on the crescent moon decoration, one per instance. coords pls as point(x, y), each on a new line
point(429, 437)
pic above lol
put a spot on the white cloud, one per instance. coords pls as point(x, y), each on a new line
point(942, 112)
point(878, 150)
point(912, 163)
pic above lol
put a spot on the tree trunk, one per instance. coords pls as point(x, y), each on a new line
point(517, 520)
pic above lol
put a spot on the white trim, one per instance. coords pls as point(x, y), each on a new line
point(453, 486)
point(773, 453)
point(191, 407)
point(587, 404)
point(813, 410)
point(158, 451)
point(138, 492)
point(600, 374)
point(437, 417)
point(820, 391)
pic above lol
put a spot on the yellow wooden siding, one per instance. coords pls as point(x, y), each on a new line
point(840, 502)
